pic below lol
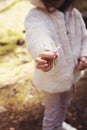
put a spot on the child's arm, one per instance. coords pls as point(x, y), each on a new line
point(38, 36)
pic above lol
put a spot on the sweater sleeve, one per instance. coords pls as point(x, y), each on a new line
point(84, 37)
point(38, 36)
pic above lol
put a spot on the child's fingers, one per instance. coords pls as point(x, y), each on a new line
point(44, 67)
point(82, 66)
point(83, 59)
point(38, 66)
point(56, 56)
point(47, 69)
point(47, 55)
point(40, 61)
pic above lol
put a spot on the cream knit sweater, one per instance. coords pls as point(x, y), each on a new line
point(43, 31)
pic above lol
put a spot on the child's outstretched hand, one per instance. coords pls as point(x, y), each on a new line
point(45, 60)
point(82, 63)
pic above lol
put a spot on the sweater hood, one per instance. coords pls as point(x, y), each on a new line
point(37, 3)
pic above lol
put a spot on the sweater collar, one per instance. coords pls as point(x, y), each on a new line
point(37, 3)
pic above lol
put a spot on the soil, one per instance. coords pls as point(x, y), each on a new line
point(22, 120)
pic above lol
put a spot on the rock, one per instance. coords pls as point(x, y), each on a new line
point(2, 109)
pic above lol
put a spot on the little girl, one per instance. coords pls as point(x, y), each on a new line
point(56, 38)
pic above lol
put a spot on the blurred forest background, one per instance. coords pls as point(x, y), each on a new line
point(21, 104)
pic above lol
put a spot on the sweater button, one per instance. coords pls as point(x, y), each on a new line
point(67, 33)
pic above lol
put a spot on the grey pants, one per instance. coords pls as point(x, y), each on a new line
point(55, 109)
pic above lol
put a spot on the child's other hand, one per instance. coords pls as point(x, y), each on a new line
point(82, 63)
point(45, 61)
